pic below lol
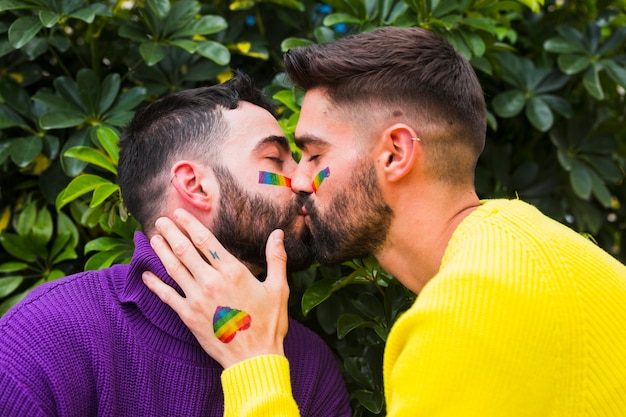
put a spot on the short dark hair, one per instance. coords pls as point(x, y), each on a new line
point(410, 68)
point(183, 125)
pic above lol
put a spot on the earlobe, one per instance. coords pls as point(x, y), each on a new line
point(190, 182)
point(400, 151)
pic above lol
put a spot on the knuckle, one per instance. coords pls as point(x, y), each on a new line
point(180, 248)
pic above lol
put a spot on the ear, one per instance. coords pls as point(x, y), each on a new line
point(192, 184)
point(400, 151)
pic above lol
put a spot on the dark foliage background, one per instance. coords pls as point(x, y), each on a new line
point(73, 71)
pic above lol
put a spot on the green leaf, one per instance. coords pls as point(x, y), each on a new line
point(19, 98)
point(103, 260)
point(12, 266)
point(474, 42)
point(206, 25)
point(161, 8)
point(321, 290)
point(48, 18)
point(110, 88)
point(62, 240)
point(89, 89)
point(336, 18)
point(605, 167)
point(152, 53)
point(105, 243)
point(18, 247)
point(348, 322)
point(372, 400)
point(65, 252)
point(615, 71)
point(92, 156)
point(509, 104)
point(591, 81)
point(370, 307)
point(573, 64)
point(563, 46)
point(539, 114)
point(14, 5)
point(291, 43)
point(613, 42)
point(558, 104)
point(214, 51)
point(24, 150)
point(9, 284)
point(77, 187)
point(41, 231)
point(109, 140)
point(129, 31)
point(61, 119)
point(69, 90)
point(189, 46)
point(87, 15)
point(600, 190)
point(9, 118)
point(359, 371)
point(580, 179)
point(101, 193)
point(565, 160)
point(23, 30)
point(26, 219)
point(128, 100)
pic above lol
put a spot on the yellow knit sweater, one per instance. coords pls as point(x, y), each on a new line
point(524, 318)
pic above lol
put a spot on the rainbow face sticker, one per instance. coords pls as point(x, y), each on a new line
point(228, 321)
point(272, 178)
point(320, 177)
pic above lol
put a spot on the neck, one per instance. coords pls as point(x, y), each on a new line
point(420, 232)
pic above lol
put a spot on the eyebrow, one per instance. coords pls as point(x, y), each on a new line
point(278, 140)
point(303, 141)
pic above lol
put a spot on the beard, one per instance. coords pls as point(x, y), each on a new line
point(355, 222)
point(244, 223)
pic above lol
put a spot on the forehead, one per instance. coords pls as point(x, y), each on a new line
point(320, 121)
point(247, 126)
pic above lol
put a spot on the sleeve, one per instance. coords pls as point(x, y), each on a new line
point(260, 386)
point(474, 346)
point(15, 400)
point(329, 396)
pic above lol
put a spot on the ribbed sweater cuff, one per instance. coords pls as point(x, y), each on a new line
point(260, 386)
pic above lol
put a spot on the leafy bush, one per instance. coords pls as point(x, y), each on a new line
point(72, 72)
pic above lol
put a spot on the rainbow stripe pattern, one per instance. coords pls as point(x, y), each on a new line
point(272, 178)
point(321, 176)
point(228, 321)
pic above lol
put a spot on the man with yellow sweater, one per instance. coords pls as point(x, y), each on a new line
point(517, 315)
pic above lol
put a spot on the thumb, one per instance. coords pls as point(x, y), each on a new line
point(276, 259)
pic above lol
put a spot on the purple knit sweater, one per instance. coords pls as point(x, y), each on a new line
point(99, 343)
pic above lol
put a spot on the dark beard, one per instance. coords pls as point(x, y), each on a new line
point(354, 224)
point(245, 222)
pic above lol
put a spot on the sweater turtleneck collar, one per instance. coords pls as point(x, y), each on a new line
point(145, 308)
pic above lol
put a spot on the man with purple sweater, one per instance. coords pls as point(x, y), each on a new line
point(100, 343)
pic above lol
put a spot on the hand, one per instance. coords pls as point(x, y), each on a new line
point(216, 290)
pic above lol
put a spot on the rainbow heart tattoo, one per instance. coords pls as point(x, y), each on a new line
point(321, 176)
point(272, 178)
point(228, 321)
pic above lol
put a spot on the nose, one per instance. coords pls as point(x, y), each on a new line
point(301, 181)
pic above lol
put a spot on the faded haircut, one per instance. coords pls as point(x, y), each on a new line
point(411, 72)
